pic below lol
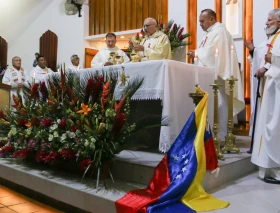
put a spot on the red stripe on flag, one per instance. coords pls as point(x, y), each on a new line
point(211, 156)
point(139, 200)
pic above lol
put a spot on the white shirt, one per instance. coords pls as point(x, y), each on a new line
point(72, 68)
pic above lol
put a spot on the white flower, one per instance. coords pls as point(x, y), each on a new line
point(54, 126)
point(13, 131)
point(92, 146)
point(55, 134)
point(28, 132)
point(58, 121)
point(92, 139)
point(50, 137)
point(63, 137)
point(72, 135)
point(87, 142)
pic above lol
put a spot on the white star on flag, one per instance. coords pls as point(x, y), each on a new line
point(178, 176)
point(184, 156)
point(175, 157)
point(186, 161)
point(184, 169)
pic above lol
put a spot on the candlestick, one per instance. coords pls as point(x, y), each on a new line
point(216, 64)
point(195, 71)
point(231, 61)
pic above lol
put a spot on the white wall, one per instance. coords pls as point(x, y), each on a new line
point(261, 10)
point(201, 5)
point(31, 19)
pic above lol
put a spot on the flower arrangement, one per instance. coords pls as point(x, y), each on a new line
point(174, 33)
point(72, 119)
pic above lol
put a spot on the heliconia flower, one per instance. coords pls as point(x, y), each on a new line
point(17, 104)
point(174, 27)
point(118, 106)
point(53, 88)
point(34, 92)
point(119, 122)
point(44, 91)
point(2, 115)
point(85, 109)
point(180, 32)
point(106, 90)
point(85, 163)
point(89, 89)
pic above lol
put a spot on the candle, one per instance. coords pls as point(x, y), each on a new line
point(34, 75)
point(195, 70)
point(78, 68)
point(231, 61)
point(216, 64)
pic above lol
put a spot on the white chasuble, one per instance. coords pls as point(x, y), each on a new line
point(218, 38)
point(103, 56)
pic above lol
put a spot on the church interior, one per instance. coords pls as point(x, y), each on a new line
point(61, 29)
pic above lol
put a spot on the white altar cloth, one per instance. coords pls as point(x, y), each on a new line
point(171, 82)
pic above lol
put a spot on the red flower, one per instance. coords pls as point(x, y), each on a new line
point(44, 90)
point(119, 122)
point(7, 149)
point(22, 153)
point(62, 124)
point(54, 156)
point(89, 89)
point(85, 163)
point(46, 122)
point(73, 129)
point(40, 157)
point(67, 154)
point(21, 122)
point(35, 121)
point(34, 92)
point(2, 115)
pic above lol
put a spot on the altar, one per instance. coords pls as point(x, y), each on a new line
point(171, 82)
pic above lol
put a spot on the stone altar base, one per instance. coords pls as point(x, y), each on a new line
point(132, 170)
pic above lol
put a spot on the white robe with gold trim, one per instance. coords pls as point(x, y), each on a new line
point(267, 136)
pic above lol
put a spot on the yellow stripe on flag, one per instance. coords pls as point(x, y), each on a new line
point(196, 197)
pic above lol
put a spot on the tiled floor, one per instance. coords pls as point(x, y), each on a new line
point(11, 202)
point(249, 195)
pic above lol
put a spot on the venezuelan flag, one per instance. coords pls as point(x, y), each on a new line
point(176, 186)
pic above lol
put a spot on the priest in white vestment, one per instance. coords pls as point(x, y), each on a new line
point(155, 45)
point(16, 77)
point(40, 72)
point(257, 63)
point(103, 57)
point(217, 38)
point(74, 66)
point(266, 147)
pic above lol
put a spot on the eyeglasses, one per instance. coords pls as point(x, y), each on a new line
point(147, 25)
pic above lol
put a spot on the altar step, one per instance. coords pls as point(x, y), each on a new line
point(138, 167)
point(132, 170)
